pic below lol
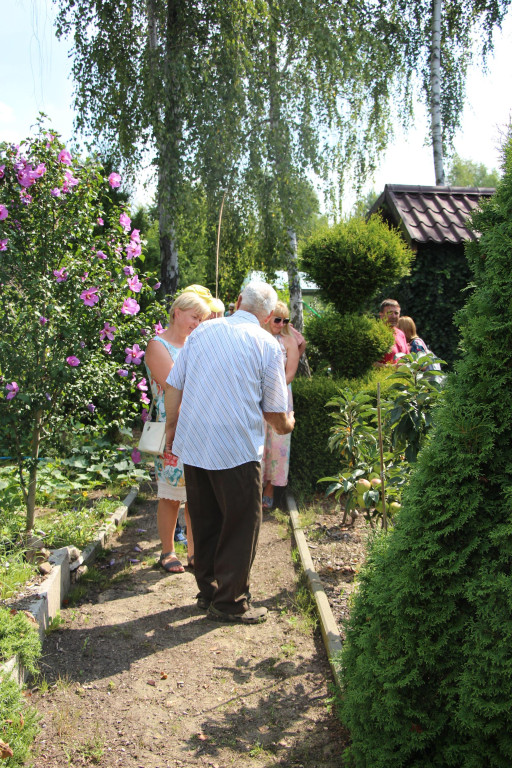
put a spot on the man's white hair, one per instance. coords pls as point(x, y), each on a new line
point(259, 298)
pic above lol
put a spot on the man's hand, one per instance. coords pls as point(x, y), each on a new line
point(282, 423)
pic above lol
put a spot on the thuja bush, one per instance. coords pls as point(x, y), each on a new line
point(353, 259)
point(350, 343)
point(427, 667)
point(71, 302)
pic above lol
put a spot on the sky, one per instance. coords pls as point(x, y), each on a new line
point(35, 76)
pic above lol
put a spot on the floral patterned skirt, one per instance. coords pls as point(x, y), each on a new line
point(276, 454)
point(170, 476)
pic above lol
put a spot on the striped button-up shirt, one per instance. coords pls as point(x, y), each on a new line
point(230, 371)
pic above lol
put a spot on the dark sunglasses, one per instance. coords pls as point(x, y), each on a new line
point(284, 320)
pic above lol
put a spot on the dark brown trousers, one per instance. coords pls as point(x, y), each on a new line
point(225, 512)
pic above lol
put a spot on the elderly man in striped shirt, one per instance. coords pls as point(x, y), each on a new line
point(227, 380)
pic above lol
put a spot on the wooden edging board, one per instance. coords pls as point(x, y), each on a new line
point(52, 591)
point(328, 626)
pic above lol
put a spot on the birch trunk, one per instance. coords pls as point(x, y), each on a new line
point(167, 129)
point(435, 93)
point(296, 312)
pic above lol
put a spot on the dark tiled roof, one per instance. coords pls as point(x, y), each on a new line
point(431, 214)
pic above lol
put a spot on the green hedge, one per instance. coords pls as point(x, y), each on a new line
point(310, 457)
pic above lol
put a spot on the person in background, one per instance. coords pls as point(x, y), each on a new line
point(408, 326)
point(276, 453)
point(389, 314)
point(217, 308)
point(186, 312)
point(228, 380)
point(230, 310)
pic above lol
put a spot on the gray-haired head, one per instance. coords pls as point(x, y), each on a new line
point(258, 298)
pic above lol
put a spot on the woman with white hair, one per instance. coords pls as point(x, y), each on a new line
point(186, 312)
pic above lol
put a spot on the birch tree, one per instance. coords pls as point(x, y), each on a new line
point(442, 38)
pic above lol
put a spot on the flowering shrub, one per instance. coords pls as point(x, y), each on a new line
point(71, 302)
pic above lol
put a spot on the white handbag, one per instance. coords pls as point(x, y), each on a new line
point(152, 439)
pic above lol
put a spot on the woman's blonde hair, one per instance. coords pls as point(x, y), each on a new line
point(189, 300)
point(408, 326)
point(281, 310)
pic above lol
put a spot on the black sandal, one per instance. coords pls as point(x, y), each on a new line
point(173, 566)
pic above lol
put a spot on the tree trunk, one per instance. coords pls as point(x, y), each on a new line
point(296, 313)
point(435, 92)
point(167, 130)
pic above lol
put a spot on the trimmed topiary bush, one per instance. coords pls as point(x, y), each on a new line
point(353, 259)
point(427, 667)
point(350, 343)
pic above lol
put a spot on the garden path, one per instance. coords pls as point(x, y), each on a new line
point(138, 677)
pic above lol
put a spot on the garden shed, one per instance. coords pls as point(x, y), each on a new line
point(435, 223)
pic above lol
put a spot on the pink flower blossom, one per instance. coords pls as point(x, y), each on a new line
point(89, 297)
point(64, 157)
point(157, 286)
point(128, 271)
point(25, 178)
point(143, 332)
point(39, 171)
point(3, 212)
point(108, 348)
point(100, 221)
point(101, 255)
point(72, 361)
point(43, 320)
point(55, 192)
point(130, 307)
point(91, 407)
point(145, 399)
point(69, 181)
point(125, 221)
point(2, 171)
point(158, 328)
point(3, 244)
point(144, 415)
point(134, 284)
point(107, 332)
point(25, 197)
point(133, 250)
point(61, 275)
point(135, 236)
point(84, 277)
point(134, 354)
point(12, 389)
point(122, 372)
point(136, 457)
point(143, 385)
point(114, 180)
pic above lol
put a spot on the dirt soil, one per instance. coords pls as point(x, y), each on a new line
point(337, 551)
point(137, 676)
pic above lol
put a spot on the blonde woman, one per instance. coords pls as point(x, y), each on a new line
point(276, 453)
point(187, 311)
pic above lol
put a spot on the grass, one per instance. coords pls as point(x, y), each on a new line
point(19, 722)
point(14, 571)
point(54, 624)
point(19, 636)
